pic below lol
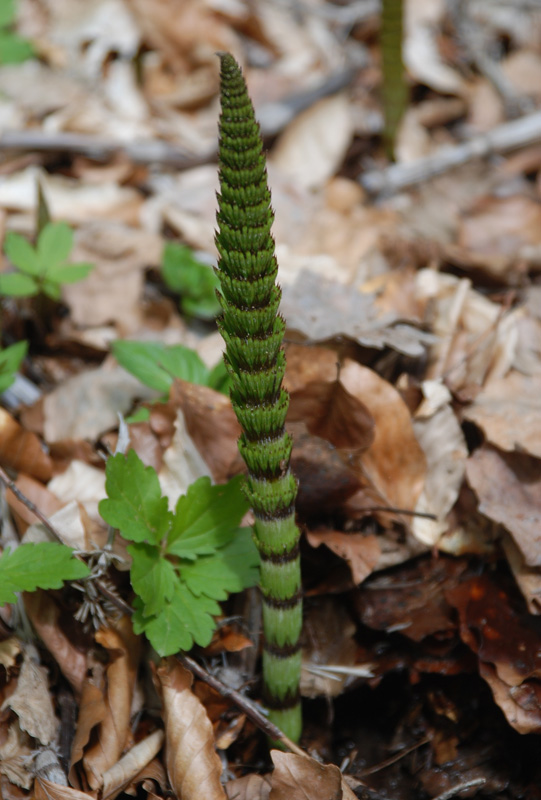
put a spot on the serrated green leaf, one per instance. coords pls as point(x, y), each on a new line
point(153, 578)
point(54, 244)
point(232, 568)
point(69, 273)
point(156, 365)
point(16, 284)
point(14, 49)
point(10, 361)
point(206, 517)
point(37, 566)
point(184, 620)
point(191, 278)
point(21, 253)
point(134, 501)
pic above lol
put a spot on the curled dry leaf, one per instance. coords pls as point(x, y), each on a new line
point(302, 778)
point(508, 486)
point(507, 645)
point(508, 411)
point(31, 700)
point(361, 552)
point(193, 765)
point(47, 790)
point(331, 412)
point(44, 614)
point(114, 728)
point(121, 774)
point(21, 450)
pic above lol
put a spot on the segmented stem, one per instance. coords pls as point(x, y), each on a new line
point(253, 332)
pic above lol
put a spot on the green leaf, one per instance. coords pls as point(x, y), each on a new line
point(54, 244)
point(69, 273)
point(156, 365)
point(185, 274)
point(141, 415)
point(134, 503)
point(52, 289)
point(31, 566)
point(10, 361)
point(153, 578)
point(206, 518)
point(7, 12)
point(183, 620)
point(231, 569)
point(16, 284)
point(219, 378)
point(21, 253)
point(13, 48)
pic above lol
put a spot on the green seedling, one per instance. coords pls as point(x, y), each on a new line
point(13, 48)
point(42, 269)
point(194, 281)
point(10, 360)
point(37, 566)
point(183, 561)
point(157, 365)
point(253, 332)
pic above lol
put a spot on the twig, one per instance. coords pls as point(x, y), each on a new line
point(393, 759)
point(9, 484)
point(508, 136)
point(460, 787)
point(245, 705)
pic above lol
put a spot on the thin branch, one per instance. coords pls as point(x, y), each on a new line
point(461, 787)
point(508, 136)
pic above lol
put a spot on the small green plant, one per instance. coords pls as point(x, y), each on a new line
point(253, 332)
point(157, 365)
point(13, 48)
point(42, 269)
point(194, 281)
point(184, 561)
point(10, 361)
point(394, 87)
point(46, 565)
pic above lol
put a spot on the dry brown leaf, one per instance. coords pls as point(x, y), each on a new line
point(331, 412)
point(211, 423)
point(114, 729)
point(38, 494)
point(15, 756)
point(302, 778)
point(361, 552)
point(21, 450)
point(508, 486)
point(44, 614)
point(120, 775)
point(46, 790)
point(92, 710)
point(508, 411)
point(182, 463)
point(31, 700)
point(250, 787)
point(314, 145)
point(193, 765)
point(501, 225)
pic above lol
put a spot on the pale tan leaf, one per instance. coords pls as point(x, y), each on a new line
point(193, 765)
point(249, 787)
point(125, 770)
point(31, 701)
point(15, 756)
point(47, 790)
point(302, 778)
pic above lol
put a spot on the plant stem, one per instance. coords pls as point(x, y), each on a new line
point(253, 332)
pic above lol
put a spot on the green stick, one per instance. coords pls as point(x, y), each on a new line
point(253, 332)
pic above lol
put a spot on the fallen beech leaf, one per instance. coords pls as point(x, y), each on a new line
point(92, 710)
point(302, 778)
point(507, 645)
point(114, 729)
point(16, 755)
point(44, 614)
point(38, 494)
point(508, 412)
point(508, 486)
point(31, 700)
point(124, 771)
point(193, 765)
point(331, 412)
point(361, 552)
point(46, 790)
point(249, 787)
point(21, 450)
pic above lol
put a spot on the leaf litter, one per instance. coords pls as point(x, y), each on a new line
point(413, 367)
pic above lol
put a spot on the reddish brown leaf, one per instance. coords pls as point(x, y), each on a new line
point(361, 552)
point(21, 450)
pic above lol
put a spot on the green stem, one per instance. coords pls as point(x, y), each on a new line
point(394, 87)
point(253, 332)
